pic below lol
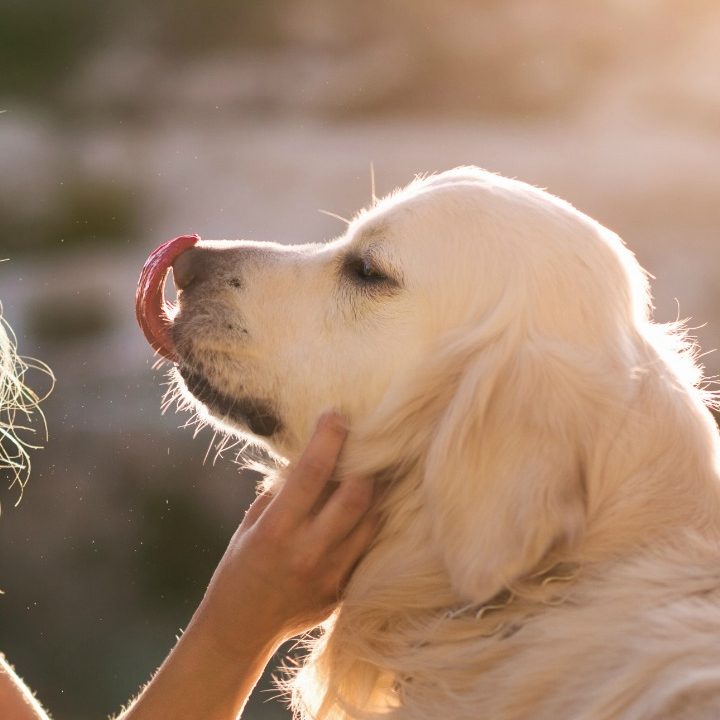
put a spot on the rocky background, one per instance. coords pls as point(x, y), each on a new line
point(125, 123)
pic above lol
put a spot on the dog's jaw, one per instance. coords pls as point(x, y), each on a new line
point(257, 415)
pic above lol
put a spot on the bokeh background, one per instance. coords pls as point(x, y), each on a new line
point(125, 123)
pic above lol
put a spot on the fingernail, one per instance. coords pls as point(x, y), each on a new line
point(331, 419)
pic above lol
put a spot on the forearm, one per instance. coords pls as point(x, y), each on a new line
point(198, 681)
point(16, 699)
point(281, 575)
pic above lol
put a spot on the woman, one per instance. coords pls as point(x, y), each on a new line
point(281, 575)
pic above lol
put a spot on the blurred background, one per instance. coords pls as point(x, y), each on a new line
point(125, 123)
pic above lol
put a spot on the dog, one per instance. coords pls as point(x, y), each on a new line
point(550, 546)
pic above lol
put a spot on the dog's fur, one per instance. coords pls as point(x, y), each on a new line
point(551, 537)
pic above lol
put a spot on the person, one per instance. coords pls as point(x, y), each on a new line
point(282, 574)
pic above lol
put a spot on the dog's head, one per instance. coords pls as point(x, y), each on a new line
point(470, 325)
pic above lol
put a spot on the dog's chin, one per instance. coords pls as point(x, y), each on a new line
point(246, 412)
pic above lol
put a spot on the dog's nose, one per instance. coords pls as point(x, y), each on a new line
point(186, 269)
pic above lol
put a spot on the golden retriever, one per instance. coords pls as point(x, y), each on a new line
point(551, 539)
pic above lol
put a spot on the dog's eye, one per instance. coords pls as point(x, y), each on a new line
point(367, 275)
point(364, 271)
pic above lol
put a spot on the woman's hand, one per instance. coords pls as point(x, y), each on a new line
point(287, 563)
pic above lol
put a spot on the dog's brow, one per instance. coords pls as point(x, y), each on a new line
point(370, 233)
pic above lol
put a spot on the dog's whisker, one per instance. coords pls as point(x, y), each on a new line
point(209, 447)
point(335, 215)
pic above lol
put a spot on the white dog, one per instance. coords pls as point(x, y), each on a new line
point(551, 543)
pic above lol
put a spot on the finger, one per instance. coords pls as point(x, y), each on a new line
point(343, 511)
point(256, 509)
point(355, 546)
point(305, 481)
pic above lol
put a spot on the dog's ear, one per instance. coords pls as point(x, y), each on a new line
point(504, 473)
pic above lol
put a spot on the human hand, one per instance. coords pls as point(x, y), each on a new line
point(286, 565)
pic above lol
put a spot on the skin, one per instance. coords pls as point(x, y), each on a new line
point(282, 574)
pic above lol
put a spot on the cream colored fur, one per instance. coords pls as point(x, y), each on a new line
point(549, 471)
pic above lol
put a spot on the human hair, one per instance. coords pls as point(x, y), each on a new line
point(21, 419)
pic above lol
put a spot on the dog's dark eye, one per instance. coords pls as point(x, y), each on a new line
point(364, 271)
point(367, 275)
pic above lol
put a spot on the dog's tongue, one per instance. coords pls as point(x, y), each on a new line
point(150, 306)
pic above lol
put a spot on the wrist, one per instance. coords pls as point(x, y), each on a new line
point(232, 640)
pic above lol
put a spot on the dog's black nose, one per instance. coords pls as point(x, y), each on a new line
point(187, 269)
point(215, 265)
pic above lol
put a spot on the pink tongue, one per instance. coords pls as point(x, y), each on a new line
point(150, 306)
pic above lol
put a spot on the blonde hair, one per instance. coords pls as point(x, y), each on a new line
point(20, 413)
